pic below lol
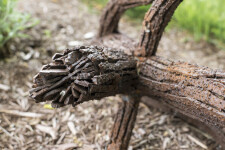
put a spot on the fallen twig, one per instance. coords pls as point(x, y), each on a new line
point(22, 114)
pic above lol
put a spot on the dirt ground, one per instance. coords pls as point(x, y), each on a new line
point(65, 23)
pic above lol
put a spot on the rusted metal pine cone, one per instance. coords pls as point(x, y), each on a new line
point(83, 73)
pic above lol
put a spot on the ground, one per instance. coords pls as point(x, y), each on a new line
point(27, 125)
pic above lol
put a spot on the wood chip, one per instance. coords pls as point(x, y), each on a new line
point(22, 114)
point(4, 87)
point(196, 141)
point(71, 127)
point(67, 146)
point(49, 130)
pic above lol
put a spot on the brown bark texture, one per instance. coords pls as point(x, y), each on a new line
point(198, 92)
point(155, 21)
point(112, 13)
point(90, 72)
point(194, 93)
point(124, 124)
point(84, 73)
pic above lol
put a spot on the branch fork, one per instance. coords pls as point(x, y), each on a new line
point(92, 72)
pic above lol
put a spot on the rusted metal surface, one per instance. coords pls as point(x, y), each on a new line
point(82, 74)
point(114, 11)
point(124, 123)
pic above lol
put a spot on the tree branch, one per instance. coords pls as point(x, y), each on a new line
point(113, 12)
point(82, 74)
point(155, 21)
point(87, 73)
point(124, 123)
point(198, 92)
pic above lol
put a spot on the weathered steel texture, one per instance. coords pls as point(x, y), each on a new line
point(84, 73)
point(198, 92)
point(155, 21)
point(124, 123)
point(112, 13)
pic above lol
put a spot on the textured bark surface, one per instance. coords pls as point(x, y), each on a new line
point(116, 41)
point(124, 124)
point(194, 91)
point(84, 73)
point(87, 73)
point(155, 21)
point(112, 13)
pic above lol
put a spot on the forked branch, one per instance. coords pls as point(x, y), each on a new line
point(155, 21)
point(87, 73)
point(113, 12)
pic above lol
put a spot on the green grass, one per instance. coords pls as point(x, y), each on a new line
point(137, 13)
point(205, 19)
point(11, 23)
